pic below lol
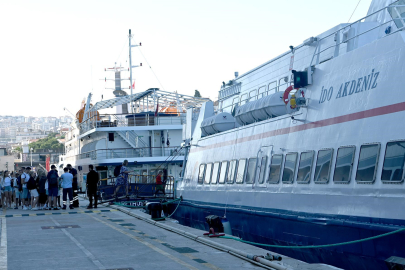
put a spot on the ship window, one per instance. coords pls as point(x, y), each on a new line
point(240, 173)
point(262, 91)
point(289, 167)
point(305, 166)
point(344, 164)
point(231, 172)
point(272, 88)
point(323, 162)
point(262, 169)
point(275, 169)
point(250, 172)
point(243, 99)
point(201, 173)
point(393, 168)
point(222, 172)
point(367, 166)
point(252, 95)
point(208, 173)
point(215, 170)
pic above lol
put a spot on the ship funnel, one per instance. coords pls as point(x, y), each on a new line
point(236, 74)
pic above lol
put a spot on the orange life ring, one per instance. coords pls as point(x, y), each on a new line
point(286, 93)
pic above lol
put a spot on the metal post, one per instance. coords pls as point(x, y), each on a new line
point(31, 156)
point(130, 70)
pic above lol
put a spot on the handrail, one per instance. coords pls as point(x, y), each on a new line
point(150, 181)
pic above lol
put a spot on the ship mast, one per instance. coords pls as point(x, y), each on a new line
point(130, 65)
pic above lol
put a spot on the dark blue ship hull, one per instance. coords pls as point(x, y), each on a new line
point(288, 228)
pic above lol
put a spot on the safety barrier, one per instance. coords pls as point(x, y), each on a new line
point(138, 186)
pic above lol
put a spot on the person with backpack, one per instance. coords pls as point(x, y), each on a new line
point(91, 187)
point(26, 195)
point(42, 191)
point(67, 181)
point(121, 172)
point(53, 186)
point(17, 189)
point(32, 187)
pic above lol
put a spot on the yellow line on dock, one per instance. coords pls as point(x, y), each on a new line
point(148, 245)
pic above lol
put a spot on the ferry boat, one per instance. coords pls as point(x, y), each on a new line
point(145, 130)
point(309, 148)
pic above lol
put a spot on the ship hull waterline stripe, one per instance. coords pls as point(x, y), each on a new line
point(398, 107)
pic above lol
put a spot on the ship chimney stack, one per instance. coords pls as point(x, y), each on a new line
point(236, 74)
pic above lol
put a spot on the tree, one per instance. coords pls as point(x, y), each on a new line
point(49, 143)
point(197, 93)
point(18, 149)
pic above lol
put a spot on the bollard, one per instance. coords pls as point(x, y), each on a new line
point(155, 210)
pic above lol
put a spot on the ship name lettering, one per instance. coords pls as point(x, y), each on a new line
point(351, 87)
point(326, 94)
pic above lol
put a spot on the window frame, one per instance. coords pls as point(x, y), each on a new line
point(310, 169)
point(231, 181)
point(330, 165)
point(203, 176)
point(242, 100)
point(263, 93)
point(382, 169)
point(254, 96)
point(295, 167)
point(264, 171)
point(237, 170)
point(275, 88)
point(226, 172)
point(247, 171)
point(235, 103)
point(351, 167)
point(281, 166)
point(375, 166)
point(212, 173)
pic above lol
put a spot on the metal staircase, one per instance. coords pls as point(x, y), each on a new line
point(132, 139)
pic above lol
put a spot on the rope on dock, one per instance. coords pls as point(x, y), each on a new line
point(132, 206)
point(319, 246)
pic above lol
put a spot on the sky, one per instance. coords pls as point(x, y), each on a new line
point(54, 53)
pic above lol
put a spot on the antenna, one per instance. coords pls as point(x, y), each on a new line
point(131, 66)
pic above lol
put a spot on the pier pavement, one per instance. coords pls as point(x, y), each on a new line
point(107, 238)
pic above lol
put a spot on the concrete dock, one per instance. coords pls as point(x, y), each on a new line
point(117, 238)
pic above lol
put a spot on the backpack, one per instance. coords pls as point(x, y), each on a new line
point(53, 180)
point(117, 170)
point(31, 183)
point(19, 185)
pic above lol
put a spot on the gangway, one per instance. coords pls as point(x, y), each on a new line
point(140, 187)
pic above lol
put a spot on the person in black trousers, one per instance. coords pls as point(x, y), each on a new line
point(91, 186)
point(73, 171)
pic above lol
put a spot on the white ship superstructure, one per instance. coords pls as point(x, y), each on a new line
point(149, 138)
point(316, 162)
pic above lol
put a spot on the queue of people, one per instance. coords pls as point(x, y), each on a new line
point(39, 190)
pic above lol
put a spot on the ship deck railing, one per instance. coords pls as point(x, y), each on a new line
point(139, 186)
point(131, 120)
point(123, 153)
point(350, 33)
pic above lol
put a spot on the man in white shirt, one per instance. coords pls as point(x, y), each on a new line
point(25, 196)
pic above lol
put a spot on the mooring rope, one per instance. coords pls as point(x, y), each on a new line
point(319, 246)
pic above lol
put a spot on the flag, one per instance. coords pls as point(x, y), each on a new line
point(157, 108)
point(133, 85)
point(48, 163)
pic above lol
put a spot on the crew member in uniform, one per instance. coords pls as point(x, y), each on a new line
point(73, 171)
